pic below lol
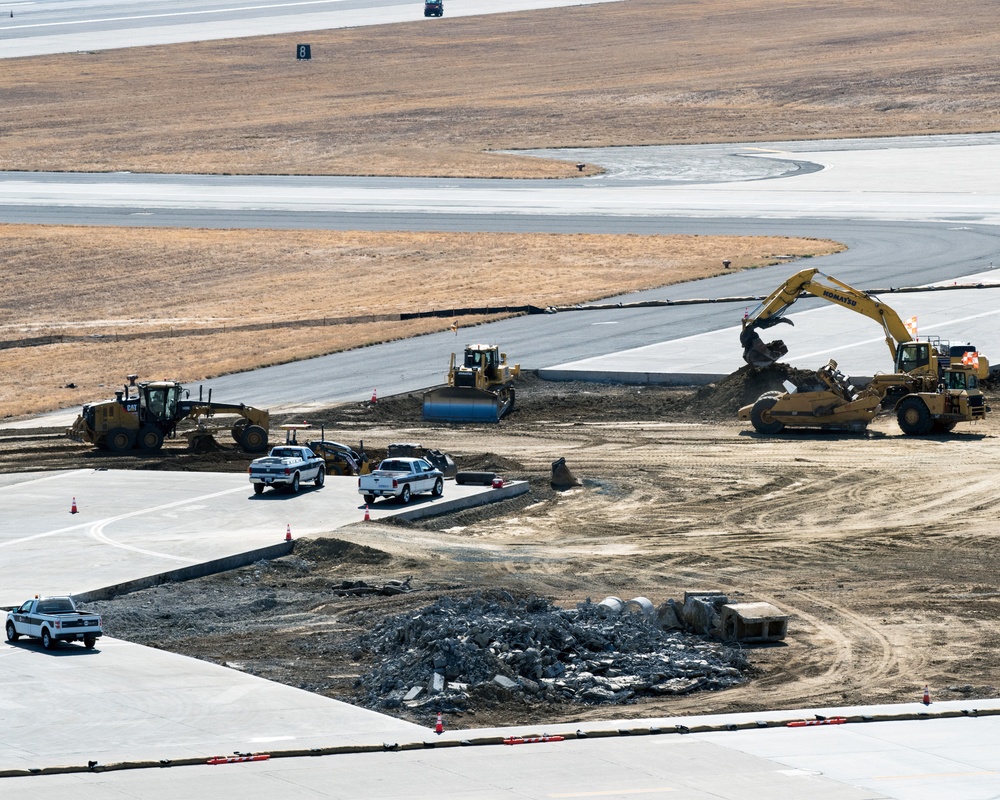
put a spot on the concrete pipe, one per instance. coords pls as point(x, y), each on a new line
point(640, 605)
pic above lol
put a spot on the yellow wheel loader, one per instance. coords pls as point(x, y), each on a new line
point(143, 414)
point(478, 390)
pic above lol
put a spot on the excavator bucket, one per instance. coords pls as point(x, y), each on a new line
point(462, 404)
point(758, 354)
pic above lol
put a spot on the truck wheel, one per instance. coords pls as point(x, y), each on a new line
point(47, 641)
point(89, 640)
point(913, 417)
point(12, 634)
point(404, 496)
point(943, 426)
point(150, 439)
point(120, 440)
point(438, 489)
point(254, 439)
point(295, 483)
point(258, 488)
point(760, 416)
point(320, 478)
point(369, 499)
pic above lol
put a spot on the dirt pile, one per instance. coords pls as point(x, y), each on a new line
point(744, 386)
point(458, 652)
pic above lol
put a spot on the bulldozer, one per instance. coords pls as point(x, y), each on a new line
point(143, 414)
point(480, 389)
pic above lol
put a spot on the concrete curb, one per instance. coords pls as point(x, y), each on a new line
point(507, 491)
point(188, 573)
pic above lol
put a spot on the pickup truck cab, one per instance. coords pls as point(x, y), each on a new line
point(401, 478)
point(53, 620)
point(287, 466)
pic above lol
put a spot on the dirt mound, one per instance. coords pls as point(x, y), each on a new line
point(326, 549)
point(747, 384)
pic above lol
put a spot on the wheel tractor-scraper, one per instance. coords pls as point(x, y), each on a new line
point(479, 390)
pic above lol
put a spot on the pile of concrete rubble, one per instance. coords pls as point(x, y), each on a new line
point(454, 649)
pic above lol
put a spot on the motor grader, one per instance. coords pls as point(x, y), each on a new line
point(144, 413)
point(922, 403)
point(480, 389)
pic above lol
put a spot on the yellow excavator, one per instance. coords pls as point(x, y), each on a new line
point(933, 388)
point(144, 413)
point(480, 389)
point(926, 358)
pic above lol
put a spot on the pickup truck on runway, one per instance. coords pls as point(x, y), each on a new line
point(53, 620)
point(287, 466)
point(401, 478)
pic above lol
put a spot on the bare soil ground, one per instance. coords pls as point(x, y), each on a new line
point(878, 545)
point(439, 97)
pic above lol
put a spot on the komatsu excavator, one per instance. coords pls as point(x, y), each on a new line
point(933, 387)
point(930, 357)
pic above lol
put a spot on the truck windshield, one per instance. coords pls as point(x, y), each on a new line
point(54, 606)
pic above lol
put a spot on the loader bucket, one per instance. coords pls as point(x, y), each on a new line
point(452, 404)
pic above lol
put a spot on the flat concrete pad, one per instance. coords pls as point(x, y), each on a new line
point(133, 524)
point(124, 702)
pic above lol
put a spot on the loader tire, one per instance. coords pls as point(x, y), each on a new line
point(913, 417)
point(150, 439)
point(120, 440)
point(238, 427)
point(254, 439)
point(760, 416)
point(943, 426)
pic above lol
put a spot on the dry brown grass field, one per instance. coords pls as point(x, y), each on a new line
point(436, 96)
point(104, 283)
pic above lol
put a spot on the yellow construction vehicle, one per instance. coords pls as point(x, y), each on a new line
point(830, 402)
point(922, 403)
point(143, 414)
point(478, 390)
point(930, 357)
point(340, 459)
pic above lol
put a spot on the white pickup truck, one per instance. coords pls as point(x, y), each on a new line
point(53, 620)
point(289, 466)
point(401, 478)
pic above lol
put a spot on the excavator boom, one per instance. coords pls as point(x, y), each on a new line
point(813, 282)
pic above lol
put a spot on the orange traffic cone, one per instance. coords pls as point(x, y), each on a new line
point(367, 515)
point(73, 509)
point(374, 396)
point(439, 725)
point(288, 533)
point(927, 695)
